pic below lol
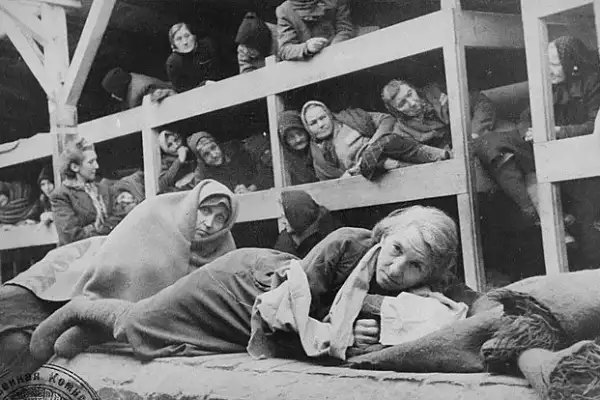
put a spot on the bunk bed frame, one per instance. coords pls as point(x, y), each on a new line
point(451, 29)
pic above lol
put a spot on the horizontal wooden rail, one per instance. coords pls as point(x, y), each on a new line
point(490, 30)
point(33, 148)
point(545, 8)
point(27, 236)
point(567, 159)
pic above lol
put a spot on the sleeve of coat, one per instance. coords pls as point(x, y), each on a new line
point(177, 75)
point(344, 29)
point(68, 225)
point(483, 115)
point(290, 46)
point(330, 262)
point(245, 60)
point(166, 178)
point(591, 99)
point(384, 124)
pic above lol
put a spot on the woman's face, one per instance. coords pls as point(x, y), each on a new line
point(46, 186)
point(183, 40)
point(173, 143)
point(399, 267)
point(210, 152)
point(319, 123)
point(557, 73)
point(296, 139)
point(210, 219)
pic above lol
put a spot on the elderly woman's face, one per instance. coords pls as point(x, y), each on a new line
point(319, 123)
point(210, 219)
point(183, 40)
point(399, 267)
point(557, 73)
point(296, 139)
point(407, 101)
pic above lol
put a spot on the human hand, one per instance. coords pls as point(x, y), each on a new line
point(252, 188)
point(443, 99)
point(529, 135)
point(390, 163)
point(240, 189)
point(46, 218)
point(366, 332)
point(316, 44)
point(159, 95)
point(182, 152)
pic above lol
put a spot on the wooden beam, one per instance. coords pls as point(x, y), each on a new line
point(555, 161)
point(91, 36)
point(62, 3)
point(151, 152)
point(28, 236)
point(113, 126)
point(25, 49)
point(25, 20)
point(460, 124)
point(542, 115)
point(490, 30)
point(33, 148)
point(545, 8)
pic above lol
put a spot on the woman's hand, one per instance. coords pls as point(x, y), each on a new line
point(316, 44)
point(366, 332)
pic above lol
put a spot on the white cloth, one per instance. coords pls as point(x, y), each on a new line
point(410, 316)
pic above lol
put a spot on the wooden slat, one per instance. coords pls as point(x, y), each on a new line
point(545, 8)
point(28, 236)
point(274, 106)
point(542, 113)
point(113, 126)
point(567, 159)
point(374, 49)
point(33, 148)
point(490, 30)
point(91, 36)
point(151, 151)
point(460, 123)
point(63, 3)
point(25, 19)
point(401, 185)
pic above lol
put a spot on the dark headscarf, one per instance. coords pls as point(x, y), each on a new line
point(45, 173)
point(254, 32)
point(117, 82)
point(300, 209)
point(298, 163)
point(575, 57)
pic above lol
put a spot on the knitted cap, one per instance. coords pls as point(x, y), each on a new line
point(254, 33)
point(45, 173)
point(194, 139)
point(117, 82)
point(300, 209)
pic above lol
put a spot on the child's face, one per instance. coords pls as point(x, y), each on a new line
point(46, 187)
point(296, 139)
point(184, 41)
point(3, 200)
point(399, 266)
point(173, 144)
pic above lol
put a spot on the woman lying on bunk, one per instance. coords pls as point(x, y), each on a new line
point(159, 241)
point(343, 282)
point(355, 141)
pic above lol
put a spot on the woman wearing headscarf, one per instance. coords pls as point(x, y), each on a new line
point(356, 141)
point(176, 164)
point(575, 79)
point(194, 60)
point(307, 223)
point(161, 240)
point(256, 40)
point(341, 285)
point(305, 27)
point(295, 142)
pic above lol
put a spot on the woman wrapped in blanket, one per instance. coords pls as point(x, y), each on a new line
point(161, 240)
point(210, 310)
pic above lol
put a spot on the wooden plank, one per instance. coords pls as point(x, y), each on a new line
point(26, 20)
point(281, 177)
point(567, 159)
point(151, 152)
point(490, 30)
point(89, 42)
point(63, 3)
point(33, 148)
point(28, 53)
point(376, 48)
point(542, 113)
point(28, 236)
point(545, 8)
point(113, 126)
point(400, 185)
point(460, 123)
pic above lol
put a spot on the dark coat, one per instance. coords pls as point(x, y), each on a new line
point(140, 86)
point(237, 169)
point(172, 170)
point(189, 70)
point(74, 213)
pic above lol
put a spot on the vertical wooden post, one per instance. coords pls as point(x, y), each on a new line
point(542, 116)
point(458, 101)
point(151, 150)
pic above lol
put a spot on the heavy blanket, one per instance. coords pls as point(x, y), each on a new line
point(149, 250)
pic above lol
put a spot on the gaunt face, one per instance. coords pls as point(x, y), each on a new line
point(398, 266)
point(407, 101)
point(296, 139)
point(210, 152)
point(183, 40)
point(210, 219)
point(46, 186)
point(173, 143)
point(319, 123)
point(557, 73)
point(87, 170)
